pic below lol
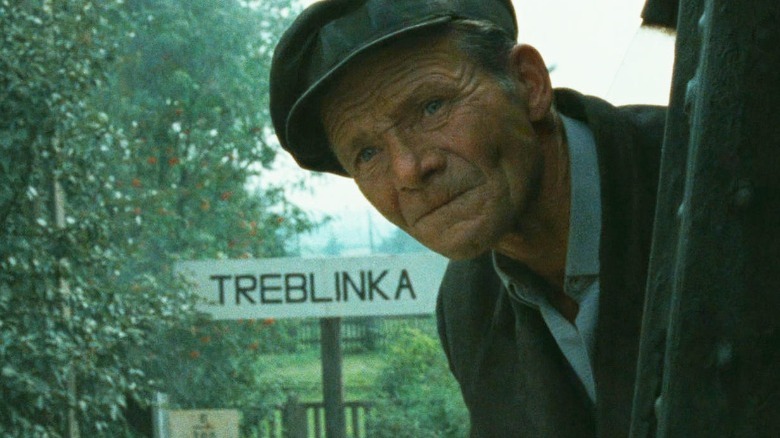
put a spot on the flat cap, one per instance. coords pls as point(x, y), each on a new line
point(327, 36)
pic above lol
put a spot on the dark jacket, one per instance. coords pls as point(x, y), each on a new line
point(514, 378)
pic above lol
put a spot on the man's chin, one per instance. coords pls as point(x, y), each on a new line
point(461, 250)
point(464, 240)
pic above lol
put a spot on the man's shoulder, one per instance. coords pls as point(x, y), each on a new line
point(594, 110)
point(625, 135)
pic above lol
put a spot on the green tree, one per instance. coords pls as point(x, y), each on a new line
point(66, 322)
point(149, 119)
point(190, 91)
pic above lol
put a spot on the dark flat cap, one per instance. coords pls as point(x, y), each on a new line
point(327, 36)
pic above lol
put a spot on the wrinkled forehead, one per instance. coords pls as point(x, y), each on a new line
point(382, 78)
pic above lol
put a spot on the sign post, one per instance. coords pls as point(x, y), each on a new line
point(159, 416)
point(327, 288)
point(332, 380)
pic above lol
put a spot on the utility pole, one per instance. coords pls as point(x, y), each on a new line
point(709, 362)
point(58, 217)
point(371, 244)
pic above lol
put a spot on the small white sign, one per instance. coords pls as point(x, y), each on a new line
point(317, 287)
point(208, 423)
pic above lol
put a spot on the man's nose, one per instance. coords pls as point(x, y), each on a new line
point(414, 162)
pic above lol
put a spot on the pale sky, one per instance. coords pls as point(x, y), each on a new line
point(596, 47)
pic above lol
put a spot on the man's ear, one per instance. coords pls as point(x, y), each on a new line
point(527, 66)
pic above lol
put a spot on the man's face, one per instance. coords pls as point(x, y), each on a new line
point(437, 145)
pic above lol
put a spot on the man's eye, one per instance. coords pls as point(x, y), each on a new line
point(432, 106)
point(366, 154)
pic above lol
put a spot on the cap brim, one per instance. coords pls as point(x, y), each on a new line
point(319, 157)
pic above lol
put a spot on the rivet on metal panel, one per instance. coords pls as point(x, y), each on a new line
point(702, 24)
point(658, 405)
point(743, 194)
point(724, 354)
point(691, 89)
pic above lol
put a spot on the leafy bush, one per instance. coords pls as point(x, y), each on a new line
point(212, 365)
point(417, 397)
point(69, 313)
point(132, 131)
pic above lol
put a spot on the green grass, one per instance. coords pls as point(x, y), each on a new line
point(301, 373)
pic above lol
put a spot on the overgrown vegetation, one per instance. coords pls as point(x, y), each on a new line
point(416, 396)
point(130, 130)
point(133, 134)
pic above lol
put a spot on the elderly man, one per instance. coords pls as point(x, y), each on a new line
point(542, 198)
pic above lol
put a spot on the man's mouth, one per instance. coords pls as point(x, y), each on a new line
point(439, 206)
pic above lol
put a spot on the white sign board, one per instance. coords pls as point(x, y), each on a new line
point(209, 423)
point(317, 287)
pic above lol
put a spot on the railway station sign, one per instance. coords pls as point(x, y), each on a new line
point(376, 285)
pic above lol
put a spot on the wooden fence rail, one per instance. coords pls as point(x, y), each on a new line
point(365, 333)
point(296, 419)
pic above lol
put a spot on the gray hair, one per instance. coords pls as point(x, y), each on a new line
point(486, 44)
